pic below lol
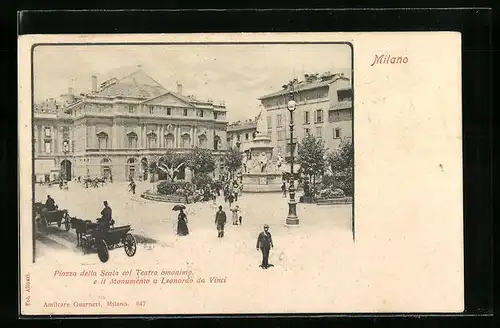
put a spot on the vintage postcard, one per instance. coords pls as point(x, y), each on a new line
point(240, 173)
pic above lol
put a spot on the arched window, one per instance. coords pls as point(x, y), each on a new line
point(102, 140)
point(217, 143)
point(151, 140)
point(202, 141)
point(170, 140)
point(131, 168)
point(132, 140)
point(186, 141)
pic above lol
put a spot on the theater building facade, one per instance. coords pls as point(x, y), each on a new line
point(121, 126)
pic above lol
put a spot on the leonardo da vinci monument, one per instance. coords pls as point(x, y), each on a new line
point(262, 172)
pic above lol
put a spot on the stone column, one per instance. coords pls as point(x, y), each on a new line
point(158, 131)
point(162, 136)
point(114, 136)
point(177, 136)
point(94, 136)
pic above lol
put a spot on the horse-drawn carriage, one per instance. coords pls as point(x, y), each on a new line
point(44, 218)
point(89, 237)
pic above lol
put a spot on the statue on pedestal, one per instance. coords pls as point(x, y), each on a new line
point(262, 161)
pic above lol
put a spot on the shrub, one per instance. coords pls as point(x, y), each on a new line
point(328, 193)
point(166, 187)
point(201, 180)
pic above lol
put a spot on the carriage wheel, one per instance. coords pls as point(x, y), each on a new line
point(129, 244)
point(66, 222)
point(102, 250)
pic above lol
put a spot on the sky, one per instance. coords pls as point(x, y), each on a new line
point(235, 74)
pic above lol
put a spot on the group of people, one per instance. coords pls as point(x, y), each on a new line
point(232, 190)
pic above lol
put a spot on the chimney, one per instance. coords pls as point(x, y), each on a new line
point(94, 83)
point(179, 88)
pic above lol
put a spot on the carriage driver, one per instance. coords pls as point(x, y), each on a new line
point(50, 204)
point(106, 218)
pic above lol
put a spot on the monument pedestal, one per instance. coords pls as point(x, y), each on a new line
point(262, 182)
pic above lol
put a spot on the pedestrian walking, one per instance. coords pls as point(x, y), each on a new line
point(230, 199)
point(220, 221)
point(182, 228)
point(283, 188)
point(264, 244)
point(214, 196)
point(235, 215)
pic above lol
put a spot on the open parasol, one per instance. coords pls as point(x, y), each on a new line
point(178, 207)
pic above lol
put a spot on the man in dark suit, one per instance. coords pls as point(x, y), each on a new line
point(265, 243)
point(220, 221)
point(50, 204)
point(106, 218)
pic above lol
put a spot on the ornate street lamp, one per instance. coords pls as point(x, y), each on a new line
point(65, 151)
point(292, 218)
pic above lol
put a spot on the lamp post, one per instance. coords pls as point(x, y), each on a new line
point(292, 218)
point(65, 151)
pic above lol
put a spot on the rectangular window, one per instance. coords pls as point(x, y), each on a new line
point(319, 131)
point(335, 117)
point(348, 115)
point(201, 112)
point(278, 120)
point(246, 136)
point(279, 150)
point(65, 132)
point(47, 147)
point(73, 146)
point(306, 118)
point(336, 133)
point(47, 132)
point(185, 112)
point(130, 108)
point(344, 95)
point(215, 115)
point(151, 109)
point(280, 135)
point(169, 111)
point(269, 122)
point(319, 116)
point(307, 131)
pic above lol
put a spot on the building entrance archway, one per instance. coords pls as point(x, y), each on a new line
point(66, 169)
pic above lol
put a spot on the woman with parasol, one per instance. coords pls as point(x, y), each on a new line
point(182, 229)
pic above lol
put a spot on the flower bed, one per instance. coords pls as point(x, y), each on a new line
point(331, 197)
point(180, 199)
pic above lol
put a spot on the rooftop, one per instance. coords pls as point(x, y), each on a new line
point(310, 81)
point(242, 125)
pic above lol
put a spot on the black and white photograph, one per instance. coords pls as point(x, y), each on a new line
point(193, 146)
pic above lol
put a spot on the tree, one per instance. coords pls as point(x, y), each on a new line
point(340, 165)
point(145, 168)
point(201, 161)
point(311, 154)
point(153, 169)
point(171, 162)
point(233, 160)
